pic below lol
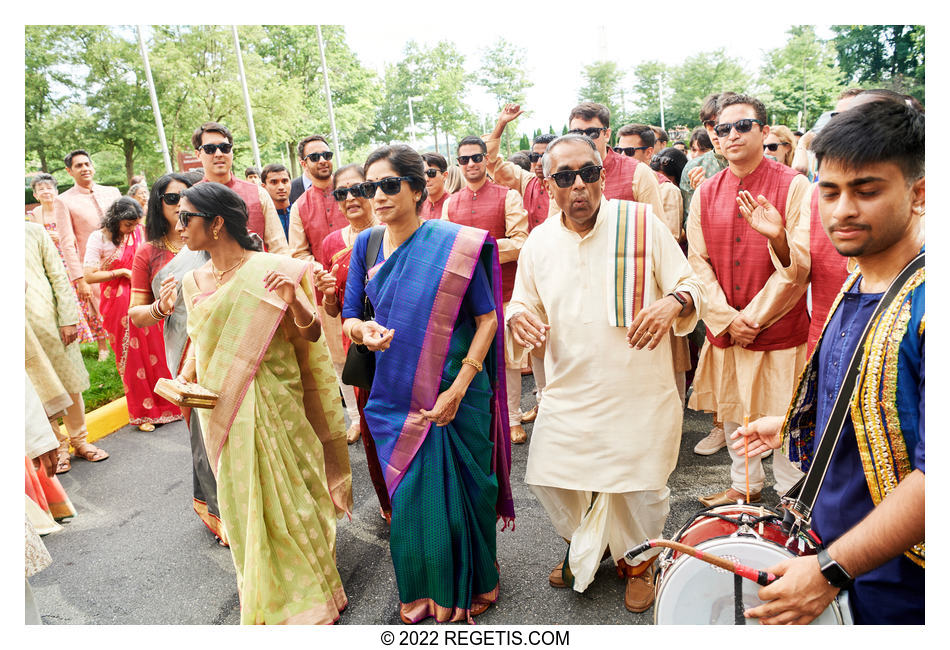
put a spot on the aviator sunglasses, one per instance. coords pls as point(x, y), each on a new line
point(356, 190)
point(742, 126)
point(588, 174)
point(476, 158)
point(314, 157)
point(223, 147)
point(170, 198)
point(389, 186)
point(184, 216)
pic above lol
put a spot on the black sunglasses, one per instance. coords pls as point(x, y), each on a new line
point(709, 123)
point(592, 132)
point(184, 216)
point(356, 190)
point(170, 198)
point(742, 126)
point(773, 146)
point(476, 158)
point(223, 147)
point(389, 186)
point(588, 174)
point(629, 151)
point(432, 173)
point(314, 157)
point(534, 157)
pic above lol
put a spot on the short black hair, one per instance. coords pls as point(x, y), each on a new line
point(405, 161)
point(222, 201)
point(644, 132)
point(252, 171)
point(123, 209)
point(732, 99)
point(884, 93)
point(670, 162)
point(544, 138)
point(156, 226)
point(436, 160)
point(880, 131)
point(472, 139)
point(310, 138)
point(272, 168)
point(591, 111)
point(700, 137)
point(521, 159)
point(210, 127)
point(72, 154)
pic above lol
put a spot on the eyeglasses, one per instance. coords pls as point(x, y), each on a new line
point(773, 146)
point(588, 174)
point(389, 186)
point(592, 132)
point(534, 157)
point(709, 123)
point(314, 157)
point(223, 147)
point(629, 151)
point(742, 126)
point(170, 198)
point(475, 158)
point(184, 216)
point(432, 173)
point(355, 190)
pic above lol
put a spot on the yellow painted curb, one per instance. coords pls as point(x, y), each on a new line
point(105, 420)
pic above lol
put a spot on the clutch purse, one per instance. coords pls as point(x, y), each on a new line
point(185, 394)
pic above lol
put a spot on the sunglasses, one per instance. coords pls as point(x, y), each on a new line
point(223, 147)
point(773, 146)
point(709, 123)
point(629, 151)
point(389, 186)
point(592, 132)
point(534, 157)
point(742, 126)
point(588, 174)
point(314, 157)
point(475, 158)
point(184, 216)
point(432, 173)
point(170, 198)
point(355, 190)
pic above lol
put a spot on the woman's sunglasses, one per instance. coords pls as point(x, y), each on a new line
point(170, 198)
point(389, 186)
point(356, 190)
point(184, 216)
point(773, 146)
point(588, 174)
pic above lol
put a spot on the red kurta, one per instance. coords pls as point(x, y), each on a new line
point(619, 183)
point(432, 210)
point(485, 209)
point(250, 193)
point(320, 215)
point(537, 202)
point(829, 268)
point(740, 256)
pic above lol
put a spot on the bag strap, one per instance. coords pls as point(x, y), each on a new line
point(801, 498)
point(372, 252)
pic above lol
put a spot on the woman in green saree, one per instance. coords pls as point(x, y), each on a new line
point(275, 438)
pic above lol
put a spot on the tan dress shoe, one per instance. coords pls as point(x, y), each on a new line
point(727, 497)
point(518, 435)
point(639, 594)
point(530, 416)
point(555, 579)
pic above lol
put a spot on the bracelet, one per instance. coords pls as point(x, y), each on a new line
point(155, 311)
point(312, 320)
point(475, 364)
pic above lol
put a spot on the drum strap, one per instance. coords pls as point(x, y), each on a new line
point(800, 500)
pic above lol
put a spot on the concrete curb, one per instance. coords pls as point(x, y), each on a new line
point(105, 420)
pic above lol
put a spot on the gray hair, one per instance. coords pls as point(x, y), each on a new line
point(135, 188)
point(569, 137)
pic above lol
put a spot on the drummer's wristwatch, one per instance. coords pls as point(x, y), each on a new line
point(834, 573)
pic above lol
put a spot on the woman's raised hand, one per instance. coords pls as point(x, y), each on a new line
point(282, 285)
point(168, 294)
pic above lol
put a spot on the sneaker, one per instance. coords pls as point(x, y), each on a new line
point(712, 443)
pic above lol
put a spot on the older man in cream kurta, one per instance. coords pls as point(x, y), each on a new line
point(609, 426)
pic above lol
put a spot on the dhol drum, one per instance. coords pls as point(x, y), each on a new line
point(691, 591)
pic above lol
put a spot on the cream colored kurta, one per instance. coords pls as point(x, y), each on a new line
point(672, 208)
point(734, 382)
point(611, 418)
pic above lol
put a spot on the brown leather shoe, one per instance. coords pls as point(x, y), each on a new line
point(728, 497)
point(638, 596)
point(555, 579)
point(518, 435)
point(530, 416)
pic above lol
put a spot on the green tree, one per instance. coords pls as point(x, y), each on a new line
point(524, 143)
point(602, 81)
point(646, 91)
point(504, 78)
point(890, 56)
point(698, 76)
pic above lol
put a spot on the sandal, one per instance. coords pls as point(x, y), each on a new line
point(353, 433)
point(147, 427)
point(88, 451)
point(63, 464)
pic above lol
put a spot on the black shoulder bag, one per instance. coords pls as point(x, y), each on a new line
point(360, 363)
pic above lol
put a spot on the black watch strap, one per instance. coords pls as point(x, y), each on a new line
point(680, 299)
point(833, 572)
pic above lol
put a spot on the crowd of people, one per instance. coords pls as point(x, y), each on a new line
point(733, 274)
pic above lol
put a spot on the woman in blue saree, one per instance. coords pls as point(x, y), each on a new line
point(436, 409)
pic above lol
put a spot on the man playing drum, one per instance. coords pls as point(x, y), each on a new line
point(870, 510)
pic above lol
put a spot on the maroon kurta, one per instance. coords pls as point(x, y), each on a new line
point(537, 202)
point(432, 210)
point(829, 268)
point(620, 169)
point(485, 209)
point(249, 192)
point(320, 215)
point(740, 256)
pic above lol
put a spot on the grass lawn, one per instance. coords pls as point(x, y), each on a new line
point(105, 385)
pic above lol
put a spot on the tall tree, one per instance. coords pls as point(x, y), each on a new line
point(882, 55)
point(646, 91)
point(698, 76)
point(503, 76)
point(601, 83)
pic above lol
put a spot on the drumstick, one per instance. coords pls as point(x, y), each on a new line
point(763, 578)
point(745, 423)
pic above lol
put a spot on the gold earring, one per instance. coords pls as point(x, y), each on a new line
point(214, 234)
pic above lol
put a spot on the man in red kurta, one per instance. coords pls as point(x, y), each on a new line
point(436, 173)
point(315, 214)
point(213, 147)
point(483, 204)
point(756, 323)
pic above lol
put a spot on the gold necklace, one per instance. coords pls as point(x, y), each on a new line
point(219, 275)
point(169, 246)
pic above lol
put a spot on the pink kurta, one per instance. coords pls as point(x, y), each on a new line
point(433, 210)
point(312, 217)
point(78, 212)
point(829, 268)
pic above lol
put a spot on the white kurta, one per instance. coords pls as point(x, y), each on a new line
point(611, 417)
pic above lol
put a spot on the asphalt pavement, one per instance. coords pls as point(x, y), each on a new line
point(137, 554)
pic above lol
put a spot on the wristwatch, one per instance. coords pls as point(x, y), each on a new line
point(680, 299)
point(834, 573)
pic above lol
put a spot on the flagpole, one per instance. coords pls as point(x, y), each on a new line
point(326, 90)
point(247, 98)
point(155, 110)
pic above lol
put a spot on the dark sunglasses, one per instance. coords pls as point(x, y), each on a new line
point(223, 147)
point(741, 126)
point(184, 216)
point(588, 174)
point(170, 198)
point(534, 157)
point(314, 157)
point(629, 151)
point(476, 158)
point(592, 132)
point(709, 123)
point(432, 173)
point(389, 186)
point(355, 190)
point(773, 146)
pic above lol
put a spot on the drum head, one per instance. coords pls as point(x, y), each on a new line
point(694, 592)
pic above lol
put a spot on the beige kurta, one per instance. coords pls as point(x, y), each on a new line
point(611, 418)
point(734, 382)
point(78, 212)
point(672, 208)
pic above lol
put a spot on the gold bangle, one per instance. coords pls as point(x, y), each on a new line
point(312, 320)
point(475, 364)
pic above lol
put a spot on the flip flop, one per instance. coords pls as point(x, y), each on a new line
point(88, 451)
